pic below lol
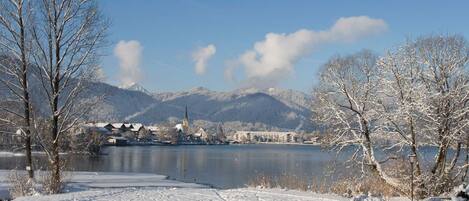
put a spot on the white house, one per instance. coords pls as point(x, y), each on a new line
point(266, 136)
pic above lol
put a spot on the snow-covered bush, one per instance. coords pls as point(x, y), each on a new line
point(21, 185)
point(284, 182)
point(366, 198)
point(356, 185)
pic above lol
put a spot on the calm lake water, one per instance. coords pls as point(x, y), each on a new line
point(221, 166)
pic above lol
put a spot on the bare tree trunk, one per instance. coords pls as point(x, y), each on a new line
point(55, 120)
point(466, 169)
point(27, 107)
point(375, 165)
point(455, 159)
point(413, 148)
point(29, 158)
point(56, 180)
point(440, 158)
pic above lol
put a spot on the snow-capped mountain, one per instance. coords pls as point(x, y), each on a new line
point(136, 87)
point(270, 108)
point(287, 96)
point(279, 108)
point(276, 107)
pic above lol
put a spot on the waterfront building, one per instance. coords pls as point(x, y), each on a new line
point(266, 136)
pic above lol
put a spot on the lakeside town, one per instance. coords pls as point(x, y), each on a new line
point(94, 135)
point(184, 134)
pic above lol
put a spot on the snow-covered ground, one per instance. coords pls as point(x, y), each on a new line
point(135, 186)
point(176, 194)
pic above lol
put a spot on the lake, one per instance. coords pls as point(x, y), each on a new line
point(221, 166)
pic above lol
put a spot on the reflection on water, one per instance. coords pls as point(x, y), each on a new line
point(220, 166)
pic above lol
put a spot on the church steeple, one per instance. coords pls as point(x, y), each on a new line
point(186, 116)
point(185, 121)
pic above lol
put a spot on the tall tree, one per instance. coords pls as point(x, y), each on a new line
point(444, 60)
point(346, 104)
point(67, 38)
point(414, 96)
point(15, 42)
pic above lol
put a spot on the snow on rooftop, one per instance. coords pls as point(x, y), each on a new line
point(101, 124)
point(179, 127)
point(153, 128)
point(136, 126)
point(117, 125)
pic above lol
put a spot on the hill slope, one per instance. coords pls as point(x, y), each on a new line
point(283, 109)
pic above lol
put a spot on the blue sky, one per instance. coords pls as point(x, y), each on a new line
point(169, 32)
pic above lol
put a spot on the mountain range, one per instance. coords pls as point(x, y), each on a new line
point(273, 108)
point(283, 109)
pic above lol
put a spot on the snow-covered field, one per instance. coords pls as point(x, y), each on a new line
point(135, 186)
point(176, 194)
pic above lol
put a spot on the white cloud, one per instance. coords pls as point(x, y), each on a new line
point(230, 67)
point(273, 59)
point(129, 54)
point(99, 74)
point(201, 57)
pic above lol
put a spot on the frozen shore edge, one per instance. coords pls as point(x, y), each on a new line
point(106, 186)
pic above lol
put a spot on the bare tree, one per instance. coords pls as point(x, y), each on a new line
point(220, 133)
point(67, 38)
point(346, 103)
point(402, 97)
point(428, 82)
point(444, 61)
point(15, 41)
point(414, 96)
point(167, 133)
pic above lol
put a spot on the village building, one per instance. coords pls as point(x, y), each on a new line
point(187, 135)
point(116, 140)
point(202, 135)
point(266, 137)
point(154, 129)
point(102, 128)
point(9, 139)
point(137, 133)
point(115, 131)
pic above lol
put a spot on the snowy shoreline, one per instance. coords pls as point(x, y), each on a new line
point(138, 186)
